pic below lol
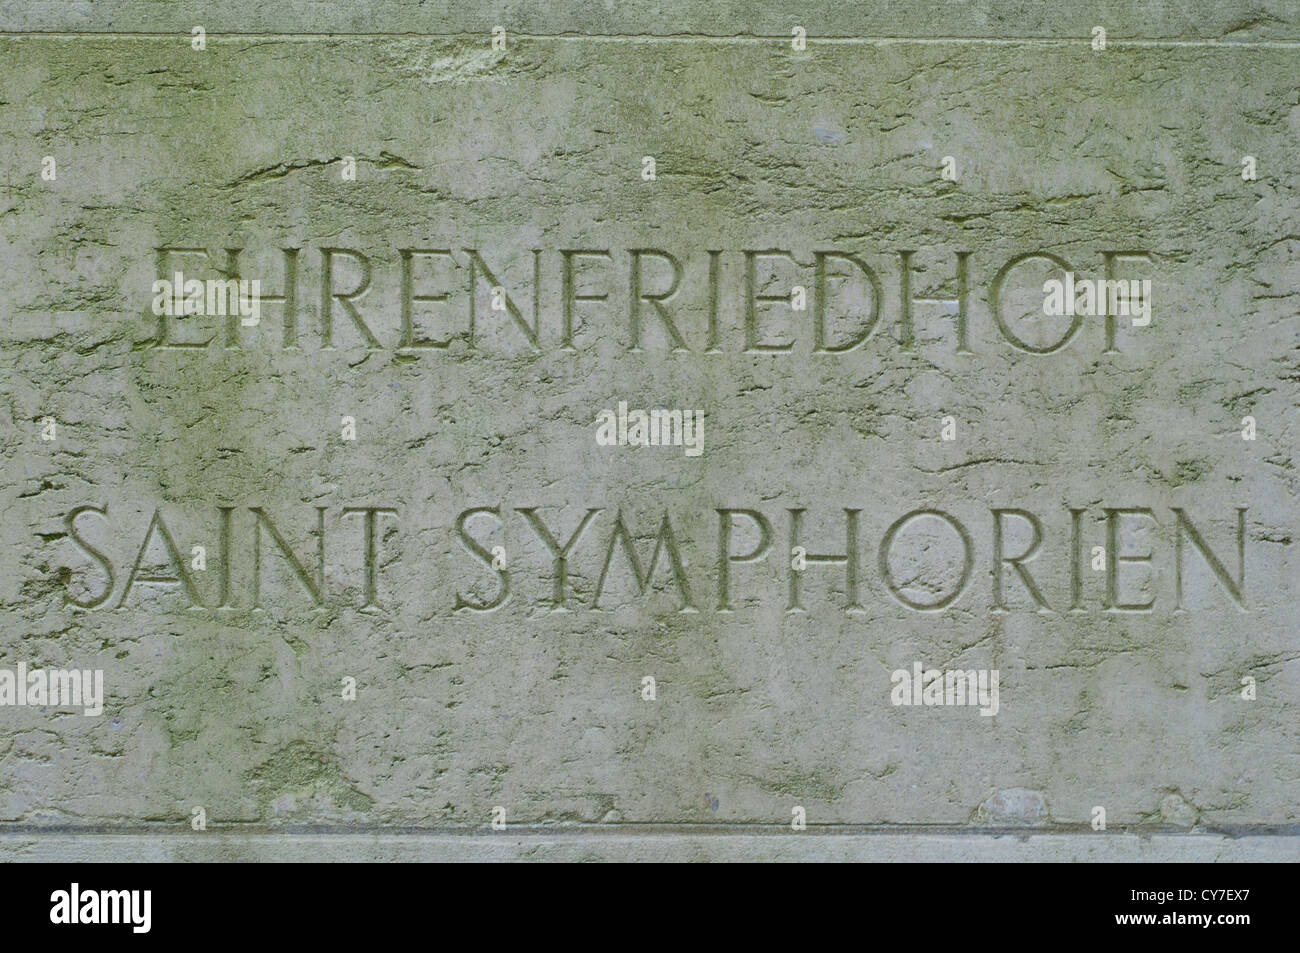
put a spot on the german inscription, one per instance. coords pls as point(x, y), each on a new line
point(446, 433)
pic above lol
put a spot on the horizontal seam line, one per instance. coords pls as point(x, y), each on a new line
point(1081, 40)
point(652, 829)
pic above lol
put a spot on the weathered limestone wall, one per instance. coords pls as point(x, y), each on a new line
point(835, 253)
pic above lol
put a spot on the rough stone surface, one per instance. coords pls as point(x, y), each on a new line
point(773, 687)
point(634, 845)
point(905, 19)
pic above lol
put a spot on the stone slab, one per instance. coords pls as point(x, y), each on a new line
point(645, 847)
point(773, 687)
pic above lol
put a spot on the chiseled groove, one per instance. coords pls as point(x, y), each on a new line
point(813, 40)
point(652, 828)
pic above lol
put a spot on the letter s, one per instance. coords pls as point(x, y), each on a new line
point(484, 556)
point(70, 522)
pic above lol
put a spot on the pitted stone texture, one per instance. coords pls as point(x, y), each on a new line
point(757, 710)
point(1143, 19)
point(640, 845)
point(1014, 808)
